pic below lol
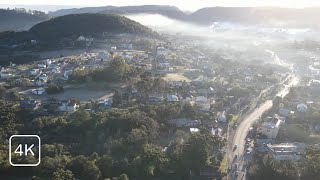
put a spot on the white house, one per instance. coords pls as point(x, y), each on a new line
point(106, 103)
point(43, 77)
point(38, 91)
point(271, 129)
point(81, 38)
point(48, 62)
point(66, 75)
point(172, 98)
point(42, 66)
point(113, 48)
point(216, 132)
point(35, 72)
point(287, 151)
point(194, 130)
point(68, 106)
point(248, 79)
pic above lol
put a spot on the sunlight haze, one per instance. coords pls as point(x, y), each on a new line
point(190, 5)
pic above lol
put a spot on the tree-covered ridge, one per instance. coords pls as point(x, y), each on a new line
point(20, 19)
point(87, 25)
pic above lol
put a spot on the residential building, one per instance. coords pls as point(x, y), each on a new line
point(103, 56)
point(216, 132)
point(183, 122)
point(38, 91)
point(42, 66)
point(29, 104)
point(287, 151)
point(204, 103)
point(161, 51)
point(261, 145)
point(35, 72)
point(155, 99)
point(113, 49)
point(68, 106)
point(302, 108)
point(106, 103)
point(5, 75)
point(40, 82)
point(285, 112)
point(172, 98)
point(222, 117)
point(66, 75)
point(194, 130)
point(271, 129)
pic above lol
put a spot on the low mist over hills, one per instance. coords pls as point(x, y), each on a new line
point(258, 15)
point(20, 19)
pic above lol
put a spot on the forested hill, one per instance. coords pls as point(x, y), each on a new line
point(75, 25)
point(72, 26)
point(20, 19)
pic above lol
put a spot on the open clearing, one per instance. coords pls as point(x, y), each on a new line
point(176, 77)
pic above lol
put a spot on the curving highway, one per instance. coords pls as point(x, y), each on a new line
point(241, 132)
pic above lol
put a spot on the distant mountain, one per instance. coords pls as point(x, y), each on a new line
point(72, 26)
point(20, 19)
point(63, 12)
point(169, 11)
point(245, 15)
point(257, 15)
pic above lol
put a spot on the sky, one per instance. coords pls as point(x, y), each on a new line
point(188, 5)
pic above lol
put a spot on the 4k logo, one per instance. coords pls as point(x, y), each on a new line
point(24, 150)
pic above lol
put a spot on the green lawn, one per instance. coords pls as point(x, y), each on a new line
point(233, 120)
point(223, 165)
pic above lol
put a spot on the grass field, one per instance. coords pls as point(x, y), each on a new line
point(176, 77)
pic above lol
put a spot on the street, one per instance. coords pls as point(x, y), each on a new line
point(241, 132)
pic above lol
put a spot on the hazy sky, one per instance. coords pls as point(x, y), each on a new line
point(190, 5)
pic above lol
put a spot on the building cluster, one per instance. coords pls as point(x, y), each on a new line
point(270, 129)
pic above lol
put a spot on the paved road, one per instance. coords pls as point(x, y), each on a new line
point(242, 131)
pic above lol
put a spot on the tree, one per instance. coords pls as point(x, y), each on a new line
point(54, 89)
point(105, 164)
point(311, 163)
point(82, 168)
point(117, 98)
point(2, 91)
point(61, 174)
point(154, 160)
point(123, 177)
point(198, 148)
point(188, 110)
point(8, 122)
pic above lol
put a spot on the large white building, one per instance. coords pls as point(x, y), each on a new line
point(287, 151)
point(271, 129)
